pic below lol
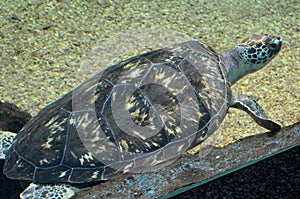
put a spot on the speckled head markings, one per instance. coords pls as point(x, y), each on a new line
point(251, 54)
point(140, 114)
point(260, 48)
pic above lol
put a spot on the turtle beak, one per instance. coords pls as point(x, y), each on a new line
point(276, 46)
point(274, 43)
point(270, 44)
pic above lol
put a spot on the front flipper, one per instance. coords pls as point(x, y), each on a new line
point(48, 191)
point(249, 105)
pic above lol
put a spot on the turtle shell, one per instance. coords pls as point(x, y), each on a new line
point(138, 114)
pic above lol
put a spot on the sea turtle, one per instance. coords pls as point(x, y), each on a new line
point(139, 114)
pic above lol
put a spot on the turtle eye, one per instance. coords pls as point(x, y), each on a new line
point(267, 40)
point(258, 44)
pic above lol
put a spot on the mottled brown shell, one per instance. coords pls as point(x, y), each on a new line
point(140, 113)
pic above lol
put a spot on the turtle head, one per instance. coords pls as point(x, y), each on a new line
point(252, 54)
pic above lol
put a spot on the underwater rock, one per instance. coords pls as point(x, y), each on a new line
point(193, 170)
point(12, 118)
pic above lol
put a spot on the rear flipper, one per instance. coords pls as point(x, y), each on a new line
point(6, 140)
point(246, 103)
point(46, 191)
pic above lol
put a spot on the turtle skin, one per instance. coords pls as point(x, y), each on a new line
point(139, 114)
